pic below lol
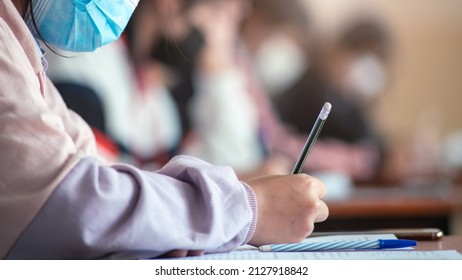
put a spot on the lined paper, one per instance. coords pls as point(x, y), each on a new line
point(252, 253)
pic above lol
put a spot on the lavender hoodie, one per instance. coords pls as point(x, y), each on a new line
point(59, 199)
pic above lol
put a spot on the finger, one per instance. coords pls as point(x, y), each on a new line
point(195, 253)
point(321, 189)
point(322, 212)
point(175, 254)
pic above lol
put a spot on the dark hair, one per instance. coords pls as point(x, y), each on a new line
point(186, 4)
point(279, 12)
point(366, 34)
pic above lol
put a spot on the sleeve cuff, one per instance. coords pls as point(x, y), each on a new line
point(252, 198)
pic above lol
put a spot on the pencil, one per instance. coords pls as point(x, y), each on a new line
point(339, 245)
point(312, 137)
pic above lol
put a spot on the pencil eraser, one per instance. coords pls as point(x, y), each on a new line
point(325, 111)
point(265, 248)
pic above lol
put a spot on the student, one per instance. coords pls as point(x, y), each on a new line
point(196, 43)
point(278, 34)
point(59, 199)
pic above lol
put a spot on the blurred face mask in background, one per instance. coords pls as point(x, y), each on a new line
point(279, 63)
point(80, 25)
point(367, 76)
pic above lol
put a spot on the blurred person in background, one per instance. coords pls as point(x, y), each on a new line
point(197, 46)
point(226, 116)
point(61, 200)
point(300, 73)
point(197, 43)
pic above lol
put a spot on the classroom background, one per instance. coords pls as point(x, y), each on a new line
point(419, 111)
point(417, 114)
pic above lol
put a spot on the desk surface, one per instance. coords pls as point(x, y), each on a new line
point(417, 206)
point(450, 242)
point(418, 200)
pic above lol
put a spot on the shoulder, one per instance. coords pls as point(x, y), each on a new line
point(7, 38)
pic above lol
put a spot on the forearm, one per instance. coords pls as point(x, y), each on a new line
point(122, 212)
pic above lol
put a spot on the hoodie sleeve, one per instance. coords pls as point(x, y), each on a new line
point(123, 212)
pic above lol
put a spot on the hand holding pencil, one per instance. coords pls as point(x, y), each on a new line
point(289, 205)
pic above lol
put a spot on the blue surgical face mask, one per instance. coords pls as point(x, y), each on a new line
point(81, 25)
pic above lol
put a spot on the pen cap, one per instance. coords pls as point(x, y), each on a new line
point(396, 243)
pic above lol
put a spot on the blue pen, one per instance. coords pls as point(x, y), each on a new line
point(339, 245)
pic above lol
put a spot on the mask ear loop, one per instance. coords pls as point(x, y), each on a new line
point(31, 22)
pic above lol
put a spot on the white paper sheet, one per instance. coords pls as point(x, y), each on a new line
point(251, 253)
